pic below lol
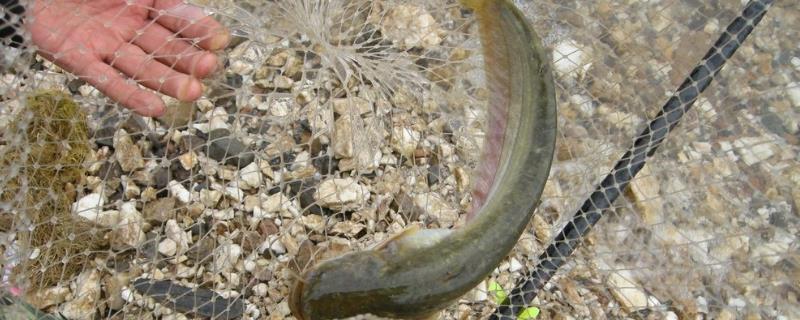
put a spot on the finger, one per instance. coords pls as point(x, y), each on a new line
point(175, 52)
point(126, 92)
point(134, 62)
point(191, 22)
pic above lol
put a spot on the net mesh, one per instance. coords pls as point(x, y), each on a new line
point(324, 127)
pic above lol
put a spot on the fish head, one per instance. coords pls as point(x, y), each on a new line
point(339, 287)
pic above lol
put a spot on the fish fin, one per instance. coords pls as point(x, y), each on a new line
point(408, 231)
point(413, 238)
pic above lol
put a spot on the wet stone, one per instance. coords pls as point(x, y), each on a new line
point(197, 301)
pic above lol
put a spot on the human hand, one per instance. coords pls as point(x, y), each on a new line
point(115, 45)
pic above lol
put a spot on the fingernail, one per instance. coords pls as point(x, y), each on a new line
point(220, 40)
point(191, 90)
point(206, 65)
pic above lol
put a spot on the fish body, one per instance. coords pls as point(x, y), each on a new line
point(417, 273)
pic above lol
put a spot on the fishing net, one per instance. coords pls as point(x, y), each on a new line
point(328, 126)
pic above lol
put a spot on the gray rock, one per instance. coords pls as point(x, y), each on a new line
point(225, 148)
point(197, 301)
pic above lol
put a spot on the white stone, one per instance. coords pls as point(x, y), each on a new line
point(168, 247)
point(182, 271)
point(280, 107)
point(260, 290)
point(126, 152)
point(627, 292)
point(210, 198)
point(480, 293)
point(89, 206)
point(218, 119)
point(128, 232)
point(178, 191)
point(793, 92)
point(341, 194)
point(226, 256)
point(514, 265)
point(753, 149)
point(129, 188)
point(182, 239)
point(86, 292)
point(234, 193)
point(274, 244)
point(223, 214)
point(250, 176)
point(404, 140)
point(314, 222)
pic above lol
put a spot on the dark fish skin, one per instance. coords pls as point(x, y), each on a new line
point(420, 272)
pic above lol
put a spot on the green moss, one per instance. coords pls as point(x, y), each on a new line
point(49, 145)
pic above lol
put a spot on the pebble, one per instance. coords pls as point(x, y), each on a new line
point(343, 137)
point(218, 119)
point(646, 193)
point(409, 26)
point(126, 152)
point(210, 198)
point(514, 265)
point(159, 210)
point(129, 188)
point(250, 176)
point(89, 206)
point(351, 106)
point(347, 227)
point(314, 222)
point(226, 256)
point(541, 228)
point(197, 301)
point(188, 160)
point(225, 148)
point(234, 193)
point(182, 239)
point(436, 207)
point(404, 140)
point(754, 149)
point(627, 293)
point(341, 194)
point(86, 292)
point(168, 247)
point(179, 192)
point(793, 92)
point(46, 297)
point(260, 290)
point(128, 232)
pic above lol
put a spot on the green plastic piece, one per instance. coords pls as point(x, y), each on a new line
point(497, 292)
point(529, 313)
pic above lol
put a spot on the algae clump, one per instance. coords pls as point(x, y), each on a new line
point(44, 158)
